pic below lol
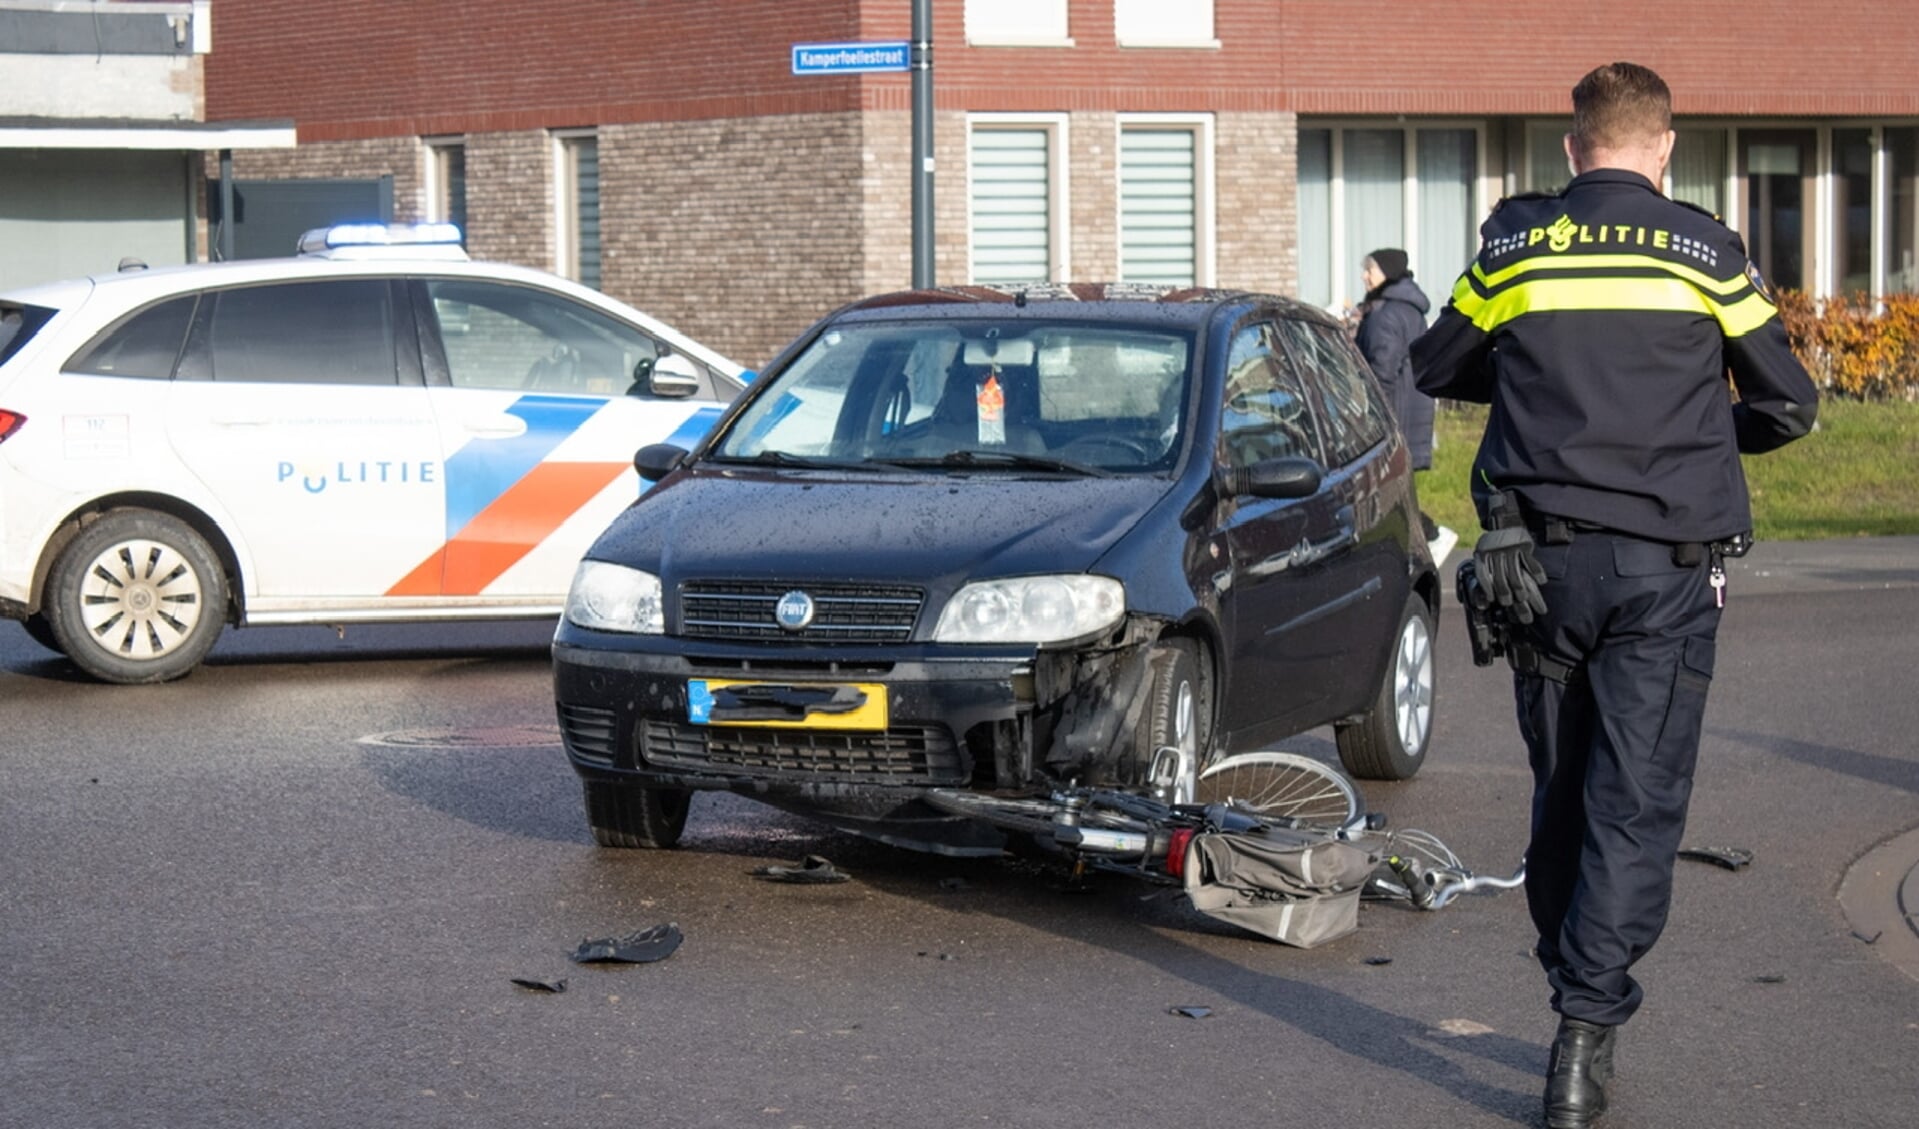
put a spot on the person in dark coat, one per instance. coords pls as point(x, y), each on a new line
point(1392, 315)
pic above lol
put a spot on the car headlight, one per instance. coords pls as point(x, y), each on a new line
point(1031, 609)
point(610, 597)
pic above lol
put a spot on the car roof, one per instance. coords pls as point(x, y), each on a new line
point(1132, 302)
point(127, 289)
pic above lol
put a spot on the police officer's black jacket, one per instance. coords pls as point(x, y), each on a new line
point(1600, 324)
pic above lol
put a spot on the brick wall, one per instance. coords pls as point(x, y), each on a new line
point(1258, 201)
point(509, 197)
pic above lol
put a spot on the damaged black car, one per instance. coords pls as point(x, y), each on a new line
point(1004, 540)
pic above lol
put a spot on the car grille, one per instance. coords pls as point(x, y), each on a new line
point(843, 613)
point(588, 732)
point(902, 754)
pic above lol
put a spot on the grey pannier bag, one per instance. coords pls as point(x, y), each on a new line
point(1299, 888)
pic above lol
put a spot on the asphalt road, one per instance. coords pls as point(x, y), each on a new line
point(294, 889)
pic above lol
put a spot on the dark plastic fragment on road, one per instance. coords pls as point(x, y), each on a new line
point(955, 884)
point(812, 869)
point(1379, 960)
point(1769, 978)
point(1732, 858)
point(653, 943)
point(533, 985)
point(1190, 1011)
point(1872, 940)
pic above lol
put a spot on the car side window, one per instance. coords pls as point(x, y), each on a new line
point(147, 344)
point(497, 335)
point(1265, 414)
point(1348, 398)
point(329, 332)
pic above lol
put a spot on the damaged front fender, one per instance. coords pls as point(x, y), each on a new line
point(1089, 704)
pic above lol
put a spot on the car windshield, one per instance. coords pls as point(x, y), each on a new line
point(975, 395)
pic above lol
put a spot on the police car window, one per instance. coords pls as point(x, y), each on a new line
point(146, 344)
point(515, 337)
point(1264, 413)
point(333, 332)
point(1348, 399)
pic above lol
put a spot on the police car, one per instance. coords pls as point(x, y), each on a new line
point(375, 430)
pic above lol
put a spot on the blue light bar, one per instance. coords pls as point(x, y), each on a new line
point(345, 235)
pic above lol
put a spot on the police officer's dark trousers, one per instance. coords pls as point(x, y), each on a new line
point(1612, 748)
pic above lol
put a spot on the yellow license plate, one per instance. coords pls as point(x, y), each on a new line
point(786, 705)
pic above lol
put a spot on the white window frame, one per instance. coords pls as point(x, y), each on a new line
point(566, 251)
point(1164, 23)
point(437, 209)
point(1487, 187)
point(1058, 188)
point(1205, 212)
point(1017, 23)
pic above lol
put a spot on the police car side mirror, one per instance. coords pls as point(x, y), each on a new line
point(657, 460)
point(673, 378)
point(1275, 478)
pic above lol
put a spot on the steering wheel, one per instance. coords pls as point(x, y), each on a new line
point(1094, 445)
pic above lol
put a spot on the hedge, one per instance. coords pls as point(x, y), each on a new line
point(1855, 347)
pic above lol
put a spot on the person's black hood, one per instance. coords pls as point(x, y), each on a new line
point(939, 531)
point(1402, 290)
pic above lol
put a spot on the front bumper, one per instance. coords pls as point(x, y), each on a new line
point(953, 720)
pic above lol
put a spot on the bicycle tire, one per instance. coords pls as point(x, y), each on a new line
point(1031, 815)
point(1278, 784)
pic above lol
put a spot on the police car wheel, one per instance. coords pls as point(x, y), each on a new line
point(633, 816)
point(1389, 741)
point(136, 597)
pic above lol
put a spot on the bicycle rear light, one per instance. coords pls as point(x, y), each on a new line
point(1176, 845)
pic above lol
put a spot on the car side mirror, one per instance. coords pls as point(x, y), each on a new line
point(1277, 478)
point(657, 460)
point(673, 378)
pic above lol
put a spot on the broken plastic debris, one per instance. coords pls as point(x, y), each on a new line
point(1769, 978)
point(1190, 1011)
point(1872, 940)
point(1379, 960)
point(813, 868)
point(1463, 1028)
point(653, 943)
point(955, 883)
point(534, 985)
point(1732, 858)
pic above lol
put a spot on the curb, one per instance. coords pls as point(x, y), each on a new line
point(1880, 897)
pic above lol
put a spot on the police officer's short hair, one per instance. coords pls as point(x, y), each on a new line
point(1618, 105)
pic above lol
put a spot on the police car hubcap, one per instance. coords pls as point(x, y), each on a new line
point(141, 599)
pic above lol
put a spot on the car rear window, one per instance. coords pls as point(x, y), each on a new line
point(18, 324)
point(146, 343)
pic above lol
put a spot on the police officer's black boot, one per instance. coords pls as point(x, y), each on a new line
point(1576, 1075)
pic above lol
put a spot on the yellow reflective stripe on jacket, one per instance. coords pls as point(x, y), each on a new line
point(1563, 282)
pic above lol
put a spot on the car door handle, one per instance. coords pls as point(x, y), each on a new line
point(496, 427)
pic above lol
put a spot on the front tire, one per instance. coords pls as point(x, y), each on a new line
point(630, 816)
point(1389, 742)
point(136, 597)
point(1175, 717)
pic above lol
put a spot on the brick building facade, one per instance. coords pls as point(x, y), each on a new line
point(663, 150)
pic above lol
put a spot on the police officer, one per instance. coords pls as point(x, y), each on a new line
point(1601, 324)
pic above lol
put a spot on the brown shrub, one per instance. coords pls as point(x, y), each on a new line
point(1854, 347)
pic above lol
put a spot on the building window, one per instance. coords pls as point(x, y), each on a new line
point(1901, 241)
point(1015, 193)
point(1547, 168)
point(1781, 235)
point(1697, 174)
point(446, 181)
point(577, 195)
point(1362, 188)
point(1016, 23)
point(1163, 23)
point(1165, 200)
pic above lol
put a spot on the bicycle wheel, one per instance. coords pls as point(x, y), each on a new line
point(1281, 784)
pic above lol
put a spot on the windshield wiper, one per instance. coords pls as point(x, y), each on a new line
point(1014, 459)
point(770, 457)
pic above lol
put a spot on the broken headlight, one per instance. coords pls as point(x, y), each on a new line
point(610, 597)
point(1032, 609)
